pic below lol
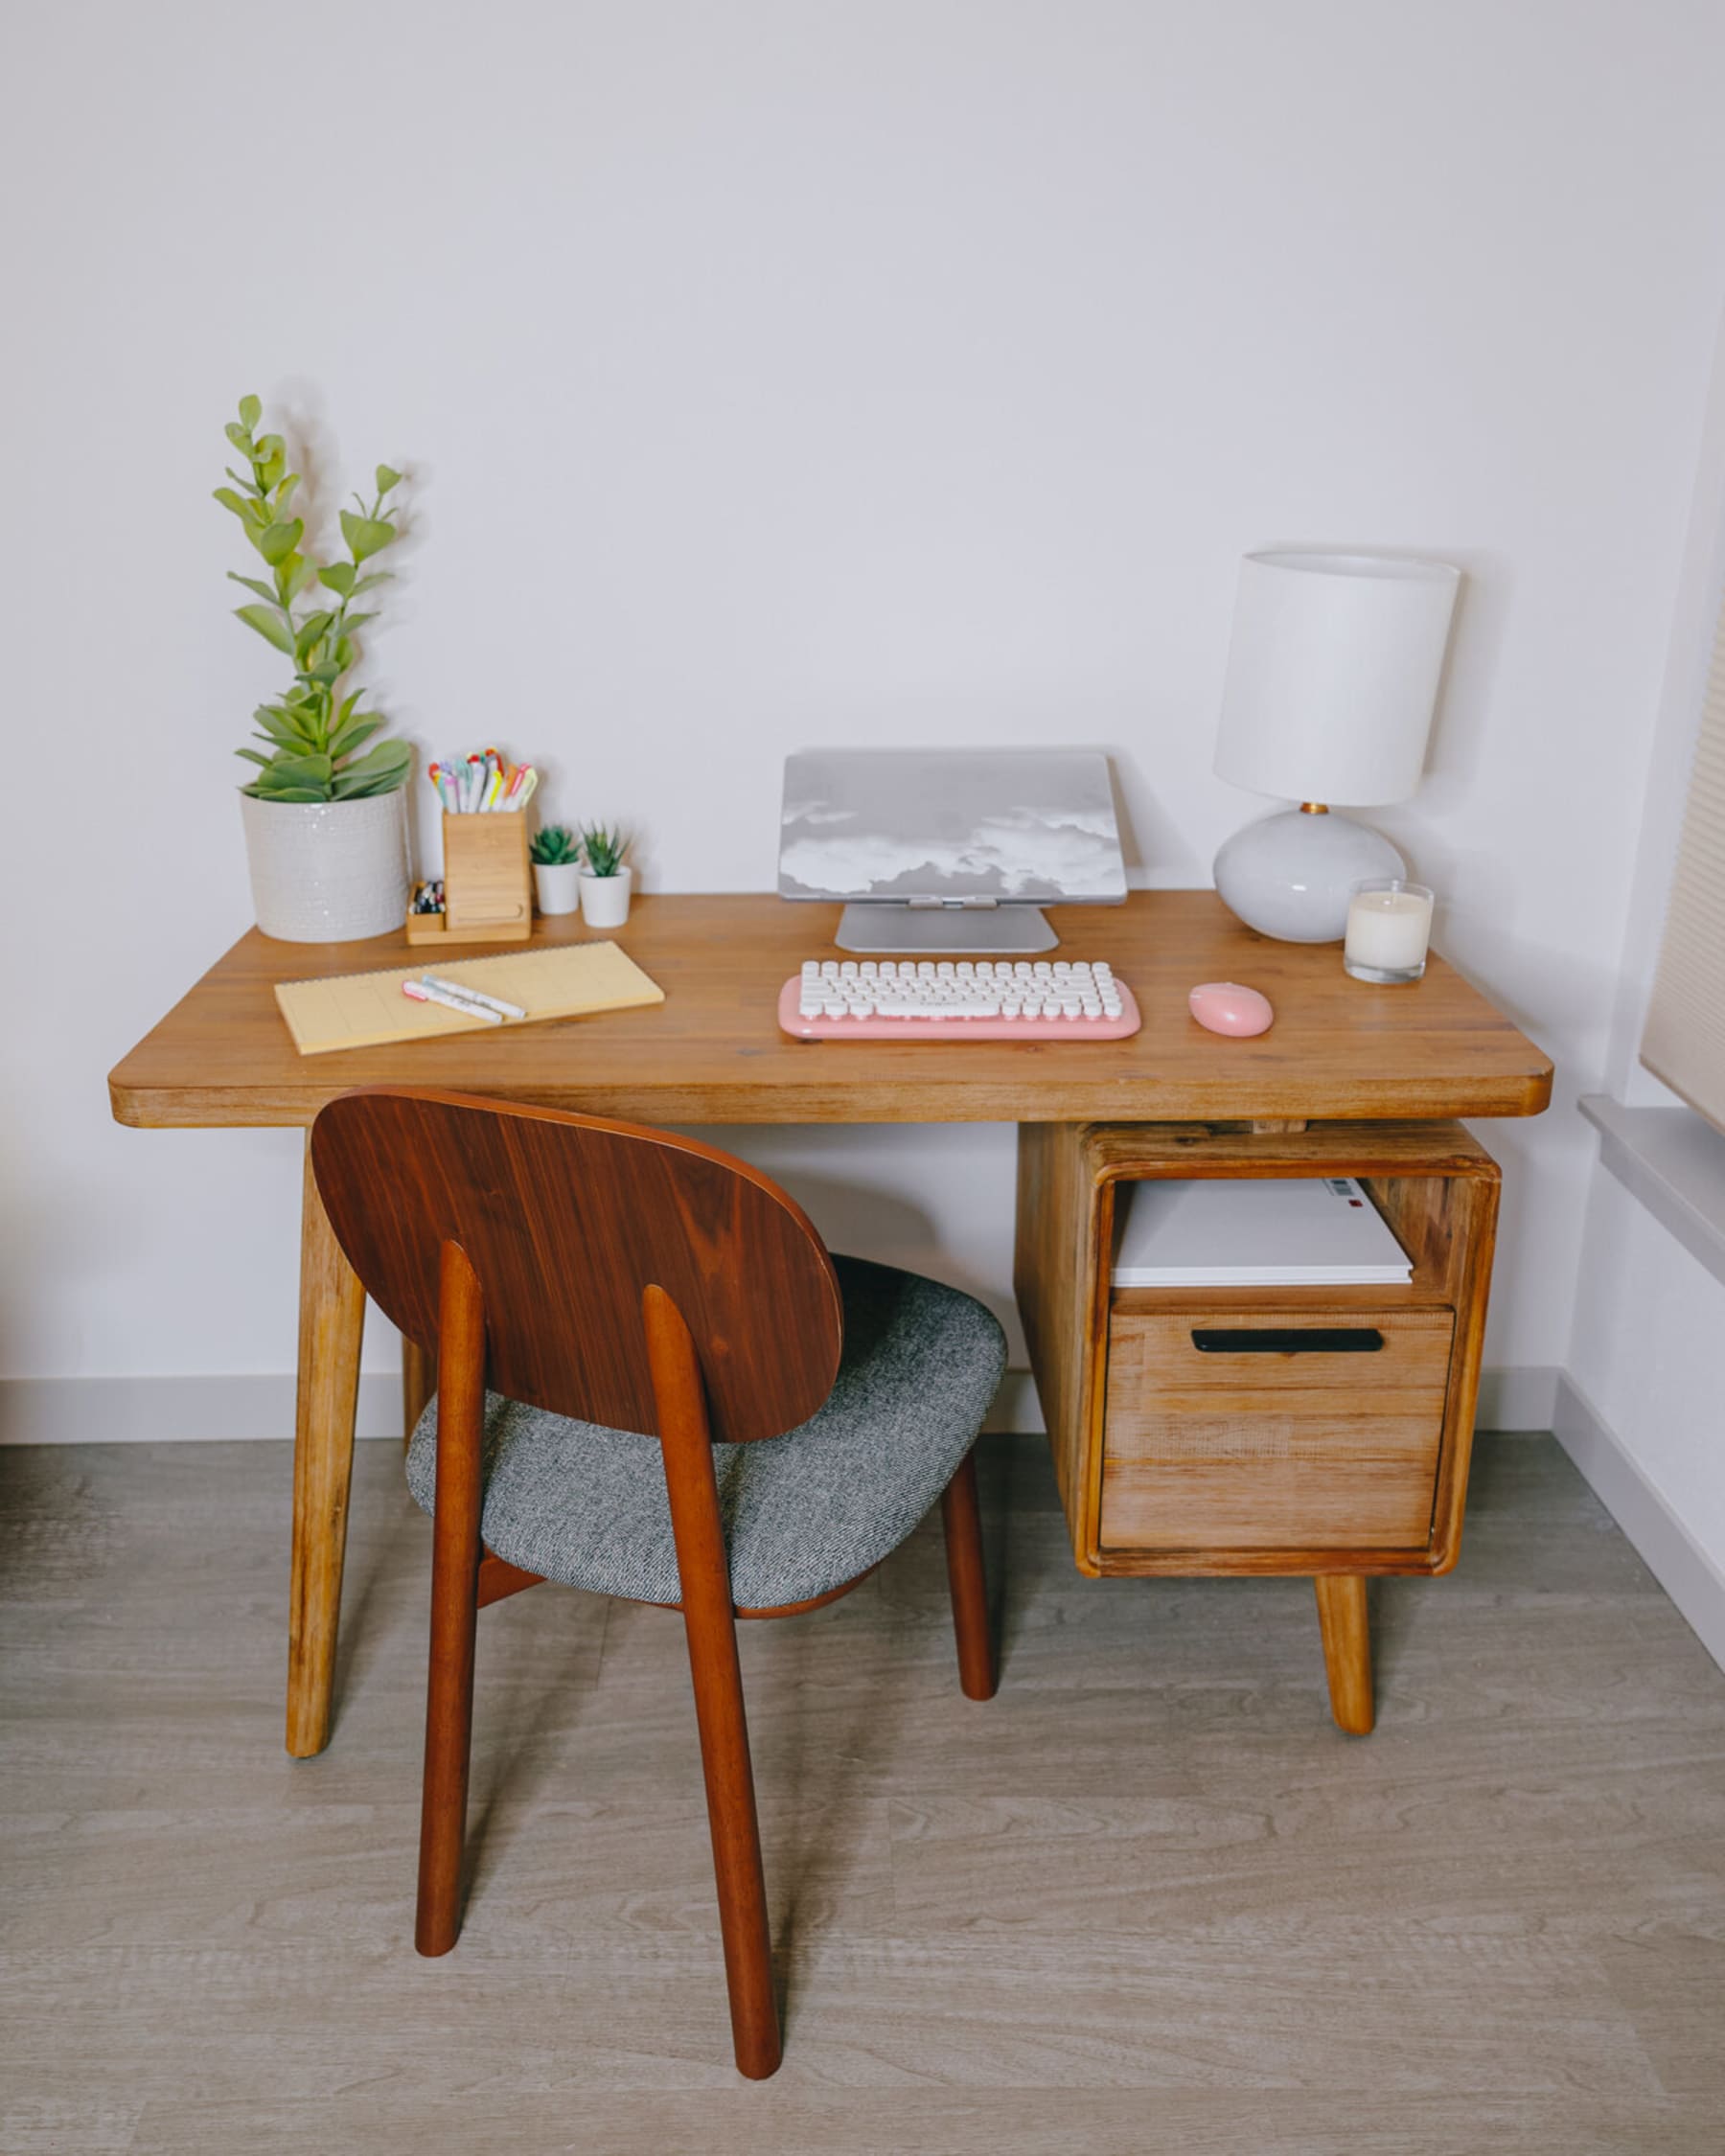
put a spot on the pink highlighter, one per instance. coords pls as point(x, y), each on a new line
point(1224, 1006)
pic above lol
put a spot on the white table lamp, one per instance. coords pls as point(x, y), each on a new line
point(1332, 675)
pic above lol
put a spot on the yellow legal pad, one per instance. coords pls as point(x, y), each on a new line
point(362, 1010)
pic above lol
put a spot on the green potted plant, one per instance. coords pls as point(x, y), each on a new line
point(325, 826)
point(605, 875)
point(556, 869)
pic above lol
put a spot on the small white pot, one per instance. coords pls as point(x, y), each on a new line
point(605, 899)
point(328, 871)
point(557, 885)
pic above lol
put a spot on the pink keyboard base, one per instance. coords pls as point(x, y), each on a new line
point(792, 1022)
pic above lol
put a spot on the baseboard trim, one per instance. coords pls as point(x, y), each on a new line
point(1016, 1408)
point(143, 1410)
point(110, 1410)
point(1673, 1556)
point(1520, 1396)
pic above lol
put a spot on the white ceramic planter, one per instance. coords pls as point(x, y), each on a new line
point(557, 885)
point(605, 899)
point(328, 871)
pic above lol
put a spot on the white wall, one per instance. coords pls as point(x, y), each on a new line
point(1643, 1359)
point(772, 375)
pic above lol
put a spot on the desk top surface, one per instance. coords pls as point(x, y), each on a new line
point(712, 1051)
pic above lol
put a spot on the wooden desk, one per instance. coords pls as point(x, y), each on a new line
point(712, 1053)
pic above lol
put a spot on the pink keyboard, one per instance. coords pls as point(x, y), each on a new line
point(912, 999)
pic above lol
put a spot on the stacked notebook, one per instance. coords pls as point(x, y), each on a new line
point(1239, 1232)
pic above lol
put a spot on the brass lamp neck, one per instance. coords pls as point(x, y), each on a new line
point(1314, 808)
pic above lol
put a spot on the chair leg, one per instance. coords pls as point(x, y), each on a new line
point(962, 1519)
point(709, 1623)
point(455, 1605)
point(736, 1832)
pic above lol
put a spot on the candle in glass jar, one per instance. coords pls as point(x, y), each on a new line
point(1389, 927)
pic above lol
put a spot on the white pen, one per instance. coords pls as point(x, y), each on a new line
point(423, 991)
point(475, 996)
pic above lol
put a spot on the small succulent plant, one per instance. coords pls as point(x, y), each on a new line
point(314, 735)
point(603, 848)
point(556, 846)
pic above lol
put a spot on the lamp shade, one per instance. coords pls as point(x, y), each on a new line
point(1332, 674)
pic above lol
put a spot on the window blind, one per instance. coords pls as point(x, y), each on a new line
point(1684, 1039)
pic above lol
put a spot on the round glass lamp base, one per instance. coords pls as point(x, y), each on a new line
point(1291, 876)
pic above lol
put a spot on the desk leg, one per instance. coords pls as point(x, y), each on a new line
point(419, 1381)
point(332, 1320)
point(1347, 1650)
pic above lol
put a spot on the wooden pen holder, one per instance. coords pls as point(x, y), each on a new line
point(488, 884)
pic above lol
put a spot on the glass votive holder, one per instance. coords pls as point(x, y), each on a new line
point(1389, 927)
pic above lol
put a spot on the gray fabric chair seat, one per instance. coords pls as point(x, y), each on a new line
point(803, 1513)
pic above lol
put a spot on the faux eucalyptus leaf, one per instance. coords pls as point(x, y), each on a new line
point(274, 727)
point(354, 732)
point(276, 541)
point(301, 770)
point(365, 535)
point(264, 791)
point(339, 577)
point(251, 411)
point(268, 625)
point(387, 478)
point(389, 759)
point(254, 583)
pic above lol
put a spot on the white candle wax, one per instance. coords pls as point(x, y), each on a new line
point(1389, 930)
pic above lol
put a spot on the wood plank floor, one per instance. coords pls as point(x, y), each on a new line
point(1146, 1899)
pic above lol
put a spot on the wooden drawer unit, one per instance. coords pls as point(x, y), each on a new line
point(1269, 1428)
point(1241, 1456)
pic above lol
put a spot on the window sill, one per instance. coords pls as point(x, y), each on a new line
point(1674, 1163)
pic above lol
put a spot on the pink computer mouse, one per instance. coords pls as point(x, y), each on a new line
point(1225, 1007)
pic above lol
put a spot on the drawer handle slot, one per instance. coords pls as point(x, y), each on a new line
point(1309, 1340)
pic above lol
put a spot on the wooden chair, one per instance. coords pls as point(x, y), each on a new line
point(603, 1282)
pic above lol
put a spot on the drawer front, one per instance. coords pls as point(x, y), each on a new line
point(1280, 1431)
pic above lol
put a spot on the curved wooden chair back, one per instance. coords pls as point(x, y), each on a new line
point(567, 1220)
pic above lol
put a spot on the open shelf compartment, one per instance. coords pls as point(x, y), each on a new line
point(1173, 1457)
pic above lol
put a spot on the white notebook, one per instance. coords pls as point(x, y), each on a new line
point(1231, 1231)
